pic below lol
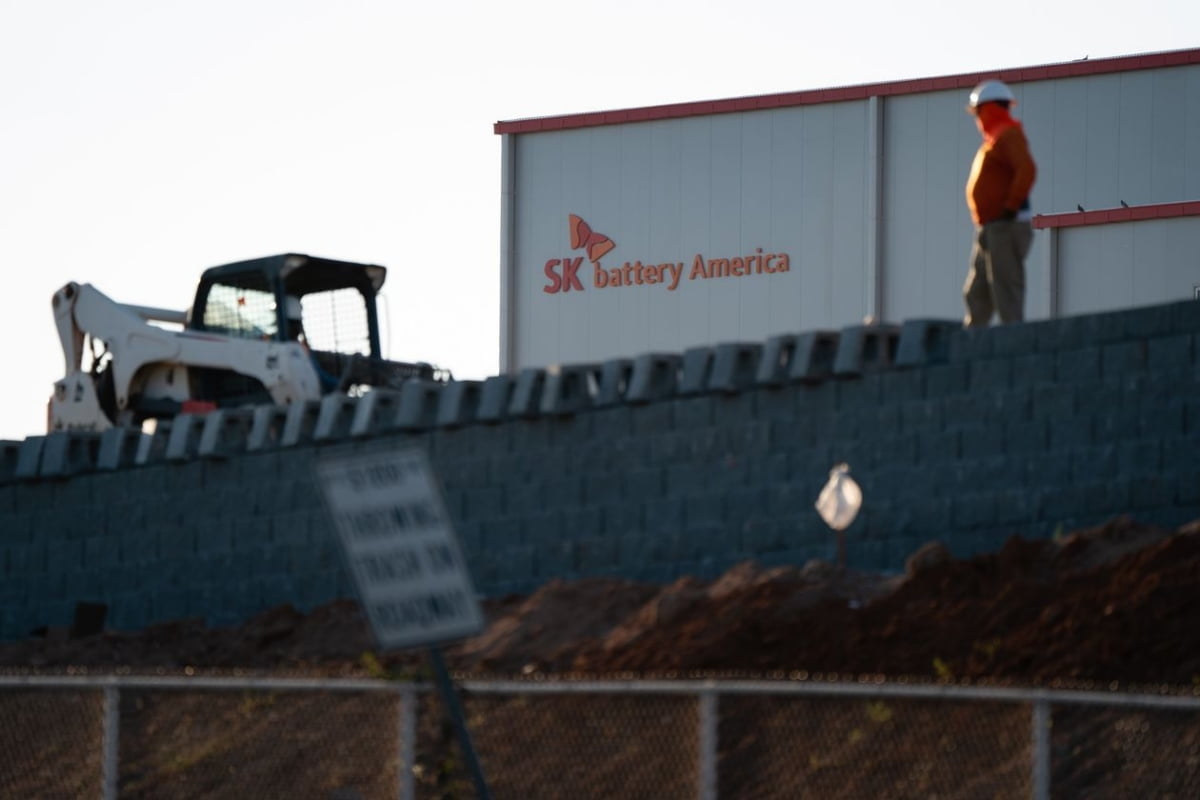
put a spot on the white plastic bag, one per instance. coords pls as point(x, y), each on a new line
point(840, 500)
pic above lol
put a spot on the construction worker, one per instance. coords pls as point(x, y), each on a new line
point(1002, 176)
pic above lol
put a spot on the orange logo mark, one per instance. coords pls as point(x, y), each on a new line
point(582, 235)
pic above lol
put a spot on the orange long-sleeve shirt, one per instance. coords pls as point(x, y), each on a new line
point(1002, 175)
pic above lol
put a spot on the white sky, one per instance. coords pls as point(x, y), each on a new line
point(142, 141)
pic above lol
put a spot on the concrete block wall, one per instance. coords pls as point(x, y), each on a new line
point(648, 469)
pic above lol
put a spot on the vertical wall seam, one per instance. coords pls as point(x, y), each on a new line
point(508, 181)
point(874, 198)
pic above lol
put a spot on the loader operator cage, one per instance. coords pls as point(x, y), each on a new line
point(248, 299)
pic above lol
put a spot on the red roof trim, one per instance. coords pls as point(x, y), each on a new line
point(1099, 66)
point(1104, 216)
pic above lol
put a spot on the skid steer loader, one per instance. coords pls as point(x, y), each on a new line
point(281, 329)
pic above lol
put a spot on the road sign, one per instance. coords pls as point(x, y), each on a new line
point(400, 547)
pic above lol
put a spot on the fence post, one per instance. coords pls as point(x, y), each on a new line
point(1041, 749)
point(708, 743)
point(110, 746)
point(408, 742)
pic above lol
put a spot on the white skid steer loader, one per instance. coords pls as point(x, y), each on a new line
point(281, 330)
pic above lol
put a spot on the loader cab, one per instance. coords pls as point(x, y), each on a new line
point(248, 299)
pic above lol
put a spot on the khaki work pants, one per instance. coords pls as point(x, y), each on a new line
point(996, 281)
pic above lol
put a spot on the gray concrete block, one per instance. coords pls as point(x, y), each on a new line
point(597, 555)
point(458, 403)
point(336, 416)
point(735, 366)
point(775, 360)
point(1170, 352)
point(495, 398)
point(1035, 368)
point(526, 398)
point(696, 370)
point(582, 522)
point(226, 433)
point(652, 418)
point(1053, 401)
point(65, 454)
point(9, 454)
point(925, 341)
point(1068, 434)
point(622, 519)
point(1169, 421)
point(685, 478)
point(29, 458)
point(1188, 488)
point(970, 344)
point(1087, 330)
point(569, 388)
point(184, 440)
point(266, 427)
point(616, 374)
point(775, 404)
point(642, 483)
point(990, 375)
point(418, 406)
point(375, 412)
point(1079, 366)
point(1016, 339)
point(300, 422)
point(673, 446)
point(1025, 437)
point(692, 413)
point(942, 380)
point(1180, 455)
point(813, 356)
point(1140, 457)
point(1184, 316)
point(973, 509)
point(1116, 423)
point(1098, 397)
point(483, 503)
point(964, 409)
point(744, 504)
point(152, 447)
point(865, 348)
point(1123, 358)
point(903, 386)
point(923, 416)
point(655, 376)
point(1148, 321)
point(543, 528)
point(977, 440)
point(1151, 492)
point(612, 423)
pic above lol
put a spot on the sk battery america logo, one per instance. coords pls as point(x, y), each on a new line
point(563, 273)
point(582, 237)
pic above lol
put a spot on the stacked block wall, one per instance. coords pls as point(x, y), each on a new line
point(1026, 429)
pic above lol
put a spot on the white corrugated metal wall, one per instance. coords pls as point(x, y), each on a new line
point(828, 183)
point(789, 181)
point(1107, 267)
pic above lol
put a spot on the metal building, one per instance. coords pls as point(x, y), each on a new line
point(661, 228)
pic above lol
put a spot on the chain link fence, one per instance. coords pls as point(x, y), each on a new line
point(327, 739)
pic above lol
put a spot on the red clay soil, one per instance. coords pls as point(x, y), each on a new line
point(1113, 606)
point(1115, 603)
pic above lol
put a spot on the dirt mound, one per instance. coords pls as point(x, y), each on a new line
point(1114, 603)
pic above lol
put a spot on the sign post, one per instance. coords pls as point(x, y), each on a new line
point(404, 557)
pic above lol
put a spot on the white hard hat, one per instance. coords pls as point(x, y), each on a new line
point(292, 307)
point(990, 92)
